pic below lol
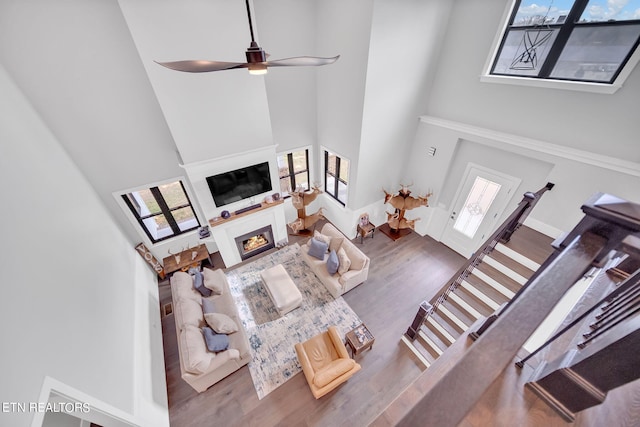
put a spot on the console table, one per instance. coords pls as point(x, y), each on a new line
point(187, 258)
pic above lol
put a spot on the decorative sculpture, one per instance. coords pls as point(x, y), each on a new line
point(402, 202)
point(300, 199)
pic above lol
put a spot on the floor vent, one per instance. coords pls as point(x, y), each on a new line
point(167, 309)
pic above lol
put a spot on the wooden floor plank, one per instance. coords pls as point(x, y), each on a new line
point(402, 274)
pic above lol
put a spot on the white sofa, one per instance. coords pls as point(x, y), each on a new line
point(199, 367)
point(337, 283)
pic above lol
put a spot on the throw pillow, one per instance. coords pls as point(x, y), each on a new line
point(197, 283)
point(344, 261)
point(317, 248)
point(221, 323)
point(214, 280)
point(332, 263)
point(322, 237)
point(208, 306)
point(215, 342)
point(336, 243)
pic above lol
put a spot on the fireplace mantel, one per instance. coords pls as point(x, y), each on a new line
point(219, 220)
point(225, 230)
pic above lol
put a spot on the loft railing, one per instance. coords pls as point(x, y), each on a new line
point(502, 235)
point(610, 224)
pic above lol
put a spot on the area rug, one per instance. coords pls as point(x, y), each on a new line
point(273, 337)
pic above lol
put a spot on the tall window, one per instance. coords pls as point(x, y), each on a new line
point(293, 169)
point(163, 211)
point(336, 176)
point(576, 40)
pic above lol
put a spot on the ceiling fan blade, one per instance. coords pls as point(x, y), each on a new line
point(302, 61)
point(198, 66)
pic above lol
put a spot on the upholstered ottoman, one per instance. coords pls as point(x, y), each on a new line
point(283, 292)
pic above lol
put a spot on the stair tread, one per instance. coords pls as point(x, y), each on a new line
point(453, 317)
point(531, 243)
point(509, 263)
point(481, 297)
point(492, 276)
point(468, 308)
point(486, 289)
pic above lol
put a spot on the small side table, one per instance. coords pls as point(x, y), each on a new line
point(365, 231)
point(359, 339)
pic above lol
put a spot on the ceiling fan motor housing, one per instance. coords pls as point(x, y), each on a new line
point(255, 54)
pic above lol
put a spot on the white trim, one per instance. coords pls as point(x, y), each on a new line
point(517, 257)
point(543, 228)
point(228, 156)
point(100, 412)
point(510, 141)
point(415, 351)
point(603, 88)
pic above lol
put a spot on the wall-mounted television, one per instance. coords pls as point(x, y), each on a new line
point(239, 184)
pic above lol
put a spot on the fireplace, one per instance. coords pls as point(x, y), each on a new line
point(255, 242)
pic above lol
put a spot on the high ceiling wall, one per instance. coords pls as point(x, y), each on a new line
point(598, 123)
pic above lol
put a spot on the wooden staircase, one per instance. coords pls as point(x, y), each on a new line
point(486, 287)
point(491, 278)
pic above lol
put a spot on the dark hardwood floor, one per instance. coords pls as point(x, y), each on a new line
point(402, 274)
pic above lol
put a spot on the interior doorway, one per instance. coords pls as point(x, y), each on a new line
point(481, 198)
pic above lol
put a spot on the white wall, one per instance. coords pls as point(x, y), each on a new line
point(76, 63)
point(583, 142)
point(577, 174)
point(343, 29)
point(405, 42)
point(209, 114)
point(602, 124)
point(77, 298)
point(291, 91)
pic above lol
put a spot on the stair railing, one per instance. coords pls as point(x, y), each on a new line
point(502, 234)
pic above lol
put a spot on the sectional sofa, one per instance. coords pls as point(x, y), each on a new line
point(353, 264)
point(200, 367)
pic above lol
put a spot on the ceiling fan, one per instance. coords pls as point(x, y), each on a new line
point(256, 60)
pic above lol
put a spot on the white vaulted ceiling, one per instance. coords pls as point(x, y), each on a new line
point(207, 113)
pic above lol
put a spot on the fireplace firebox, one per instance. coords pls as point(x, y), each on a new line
point(255, 242)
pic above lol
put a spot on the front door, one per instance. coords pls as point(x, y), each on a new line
point(482, 196)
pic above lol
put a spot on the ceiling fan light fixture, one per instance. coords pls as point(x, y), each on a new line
point(257, 69)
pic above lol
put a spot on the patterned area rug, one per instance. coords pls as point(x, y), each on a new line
point(272, 337)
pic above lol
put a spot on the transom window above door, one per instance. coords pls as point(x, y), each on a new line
point(163, 211)
point(577, 41)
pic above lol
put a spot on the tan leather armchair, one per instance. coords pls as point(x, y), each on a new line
point(325, 362)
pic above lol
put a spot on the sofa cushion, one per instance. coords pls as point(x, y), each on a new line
point(317, 249)
point(358, 259)
point(196, 358)
point(215, 342)
point(189, 312)
point(183, 287)
point(209, 306)
point(332, 263)
point(343, 260)
point(332, 371)
point(221, 323)
point(214, 280)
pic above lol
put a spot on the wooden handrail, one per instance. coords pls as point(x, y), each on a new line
point(502, 234)
point(607, 224)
